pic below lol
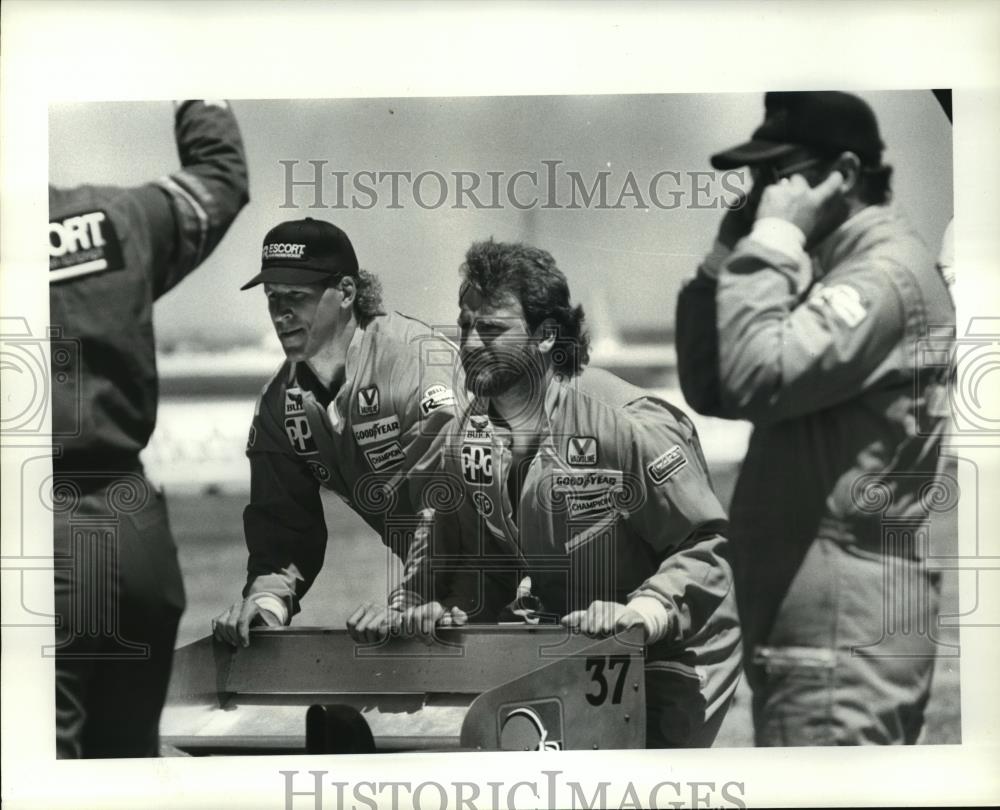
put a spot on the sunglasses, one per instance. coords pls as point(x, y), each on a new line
point(769, 173)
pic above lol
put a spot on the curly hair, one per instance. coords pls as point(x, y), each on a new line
point(367, 298)
point(499, 269)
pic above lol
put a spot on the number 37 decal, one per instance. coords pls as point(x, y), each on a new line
point(616, 666)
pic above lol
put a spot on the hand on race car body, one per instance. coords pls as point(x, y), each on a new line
point(602, 619)
point(373, 622)
point(793, 200)
point(233, 625)
point(421, 621)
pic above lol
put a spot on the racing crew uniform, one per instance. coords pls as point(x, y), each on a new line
point(615, 506)
point(373, 442)
point(118, 590)
point(830, 510)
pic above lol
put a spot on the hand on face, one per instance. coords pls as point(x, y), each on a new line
point(793, 200)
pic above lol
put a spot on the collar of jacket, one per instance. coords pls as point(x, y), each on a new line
point(479, 407)
point(842, 242)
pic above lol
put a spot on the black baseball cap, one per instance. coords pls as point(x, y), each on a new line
point(305, 251)
point(828, 122)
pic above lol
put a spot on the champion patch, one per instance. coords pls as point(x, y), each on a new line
point(82, 244)
point(666, 465)
point(376, 431)
point(477, 463)
point(437, 396)
point(484, 505)
point(581, 451)
point(293, 402)
point(382, 457)
point(368, 401)
point(322, 473)
point(589, 505)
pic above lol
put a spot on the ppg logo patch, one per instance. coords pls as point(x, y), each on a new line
point(300, 435)
point(477, 463)
point(666, 465)
point(368, 401)
point(581, 451)
point(82, 244)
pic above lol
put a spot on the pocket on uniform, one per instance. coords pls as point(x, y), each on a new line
point(794, 705)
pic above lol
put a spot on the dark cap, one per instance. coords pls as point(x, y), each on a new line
point(824, 121)
point(305, 251)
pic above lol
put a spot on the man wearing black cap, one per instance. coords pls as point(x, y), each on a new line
point(357, 408)
point(805, 319)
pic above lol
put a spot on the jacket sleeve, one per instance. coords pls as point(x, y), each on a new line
point(190, 211)
point(783, 353)
point(697, 344)
point(679, 518)
point(284, 523)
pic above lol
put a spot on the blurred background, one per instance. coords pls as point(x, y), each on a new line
point(625, 265)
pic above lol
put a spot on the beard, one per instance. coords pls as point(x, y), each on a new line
point(495, 371)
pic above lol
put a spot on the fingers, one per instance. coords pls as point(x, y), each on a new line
point(597, 620)
point(224, 625)
point(829, 186)
point(573, 620)
point(371, 622)
point(249, 609)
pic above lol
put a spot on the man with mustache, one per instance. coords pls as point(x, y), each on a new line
point(807, 319)
point(357, 408)
point(584, 488)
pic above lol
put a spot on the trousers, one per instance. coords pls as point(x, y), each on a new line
point(119, 597)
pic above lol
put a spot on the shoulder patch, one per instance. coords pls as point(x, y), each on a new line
point(81, 244)
point(666, 465)
point(437, 396)
point(843, 301)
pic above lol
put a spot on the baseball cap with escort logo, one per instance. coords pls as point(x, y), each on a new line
point(305, 251)
point(828, 122)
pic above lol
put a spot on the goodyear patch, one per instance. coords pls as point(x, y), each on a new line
point(579, 482)
point(81, 244)
point(437, 396)
point(477, 463)
point(666, 465)
point(581, 451)
point(381, 458)
point(377, 430)
point(368, 401)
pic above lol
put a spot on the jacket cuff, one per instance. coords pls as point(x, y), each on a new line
point(655, 615)
point(272, 604)
point(780, 235)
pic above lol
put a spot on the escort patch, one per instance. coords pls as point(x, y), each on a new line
point(665, 466)
point(293, 402)
point(322, 473)
point(300, 435)
point(368, 401)
point(283, 250)
point(376, 431)
point(581, 451)
point(484, 505)
point(477, 463)
point(81, 244)
point(382, 457)
point(437, 396)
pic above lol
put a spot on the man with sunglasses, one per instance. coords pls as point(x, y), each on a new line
point(805, 319)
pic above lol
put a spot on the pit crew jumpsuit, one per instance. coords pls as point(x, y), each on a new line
point(844, 380)
point(373, 442)
point(118, 590)
point(617, 506)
